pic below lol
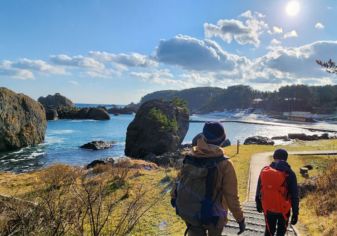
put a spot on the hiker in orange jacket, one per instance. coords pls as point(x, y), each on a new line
point(204, 208)
point(277, 194)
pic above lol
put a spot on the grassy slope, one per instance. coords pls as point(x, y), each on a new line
point(161, 219)
point(311, 223)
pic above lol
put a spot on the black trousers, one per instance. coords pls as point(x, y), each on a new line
point(273, 220)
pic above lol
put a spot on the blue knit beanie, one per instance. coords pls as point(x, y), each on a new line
point(280, 154)
point(214, 132)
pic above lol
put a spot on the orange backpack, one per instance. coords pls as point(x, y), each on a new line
point(274, 191)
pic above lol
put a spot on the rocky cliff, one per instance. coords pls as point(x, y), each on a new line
point(22, 121)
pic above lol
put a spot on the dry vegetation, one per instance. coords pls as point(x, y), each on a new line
point(318, 209)
point(130, 197)
point(72, 201)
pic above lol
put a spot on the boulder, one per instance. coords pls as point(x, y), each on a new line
point(97, 145)
point(83, 113)
point(303, 137)
point(55, 101)
point(51, 114)
point(158, 127)
point(22, 121)
point(259, 140)
point(284, 138)
point(308, 186)
point(97, 114)
point(324, 136)
point(95, 163)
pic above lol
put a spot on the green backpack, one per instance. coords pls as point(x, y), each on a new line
point(194, 192)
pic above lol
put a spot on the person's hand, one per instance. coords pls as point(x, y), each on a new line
point(294, 219)
point(259, 207)
point(173, 202)
point(242, 226)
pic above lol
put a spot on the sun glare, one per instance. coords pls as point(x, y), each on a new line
point(292, 8)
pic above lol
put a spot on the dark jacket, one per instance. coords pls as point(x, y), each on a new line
point(291, 183)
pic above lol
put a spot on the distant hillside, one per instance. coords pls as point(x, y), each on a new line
point(196, 98)
point(315, 99)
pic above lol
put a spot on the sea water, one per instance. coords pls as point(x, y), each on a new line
point(64, 137)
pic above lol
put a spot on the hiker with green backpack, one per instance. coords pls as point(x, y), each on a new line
point(277, 194)
point(206, 187)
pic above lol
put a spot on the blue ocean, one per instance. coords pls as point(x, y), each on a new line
point(64, 137)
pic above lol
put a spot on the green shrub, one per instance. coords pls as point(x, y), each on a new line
point(180, 103)
point(166, 123)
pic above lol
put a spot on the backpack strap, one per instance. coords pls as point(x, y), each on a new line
point(203, 162)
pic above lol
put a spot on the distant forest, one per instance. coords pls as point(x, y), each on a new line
point(315, 99)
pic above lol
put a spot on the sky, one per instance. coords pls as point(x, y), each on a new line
point(115, 52)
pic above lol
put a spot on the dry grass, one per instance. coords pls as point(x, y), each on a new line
point(161, 219)
point(73, 201)
point(318, 210)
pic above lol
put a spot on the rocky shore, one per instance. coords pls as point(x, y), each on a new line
point(60, 107)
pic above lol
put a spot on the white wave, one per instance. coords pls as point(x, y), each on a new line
point(17, 152)
point(61, 131)
point(52, 140)
point(78, 121)
point(34, 154)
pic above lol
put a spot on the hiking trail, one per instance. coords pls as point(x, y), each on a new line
point(255, 224)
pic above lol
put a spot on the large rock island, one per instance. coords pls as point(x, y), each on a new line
point(60, 107)
point(22, 121)
point(158, 127)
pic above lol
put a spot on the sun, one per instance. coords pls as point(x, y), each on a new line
point(292, 8)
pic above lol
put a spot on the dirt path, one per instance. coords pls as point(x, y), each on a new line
point(255, 220)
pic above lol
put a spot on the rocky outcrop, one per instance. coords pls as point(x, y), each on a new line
point(129, 109)
point(283, 138)
point(305, 137)
point(60, 107)
point(55, 101)
point(97, 145)
point(22, 121)
point(97, 114)
point(83, 113)
point(107, 161)
point(51, 114)
point(258, 140)
point(308, 186)
point(158, 127)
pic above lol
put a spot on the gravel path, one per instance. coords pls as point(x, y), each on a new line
point(255, 220)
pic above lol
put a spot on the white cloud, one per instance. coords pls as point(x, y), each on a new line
point(194, 54)
point(297, 63)
point(129, 60)
point(76, 61)
point(275, 42)
point(37, 65)
point(319, 25)
point(89, 66)
point(247, 32)
point(161, 77)
point(6, 70)
point(25, 68)
point(291, 34)
point(276, 30)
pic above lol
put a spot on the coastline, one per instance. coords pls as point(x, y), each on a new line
point(287, 123)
